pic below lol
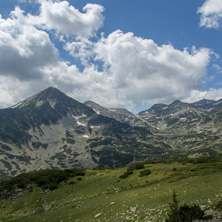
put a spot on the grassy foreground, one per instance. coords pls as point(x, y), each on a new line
point(101, 195)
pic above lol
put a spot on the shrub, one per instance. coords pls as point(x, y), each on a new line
point(137, 166)
point(129, 171)
point(145, 172)
point(45, 179)
point(191, 213)
point(183, 213)
point(126, 174)
point(173, 214)
point(102, 168)
point(219, 206)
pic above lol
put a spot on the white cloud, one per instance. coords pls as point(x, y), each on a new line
point(67, 20)
point(87, 85)
point(81, 50)
point(13, 90)
point(24, 50)
point(196, 95)
point(218, 68)
point(211, 14)
point(139, 69)
point(117, 70)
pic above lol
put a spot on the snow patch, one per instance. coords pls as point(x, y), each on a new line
point(39, 103)
point(85, 136)
point(206, 110)
point(113, 110)
point(77, 119)
point(94, 127)
point(13, 107)
point(217, 103)
point(52, 104)
point(97, 111)
point(209, 110)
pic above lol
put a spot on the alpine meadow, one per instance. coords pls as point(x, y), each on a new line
point(110, 111)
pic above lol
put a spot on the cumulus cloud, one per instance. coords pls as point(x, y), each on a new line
point(116, 70)
point(212, 94)
point(90, 84)
point(13, 90)
point(211, 14)
point(29, 61)
point(139, 69)
point(67, 20)
point(24, 50)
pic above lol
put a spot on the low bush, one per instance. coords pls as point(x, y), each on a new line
point(219, 206)
point(126, 174)
point(184, 213)
point(102, 168)
point(131, 168)
point(145, 172)
point(137, 166)
point(45, 179)
point(191, 213)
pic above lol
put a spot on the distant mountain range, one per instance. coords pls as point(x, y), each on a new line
point(52, 130)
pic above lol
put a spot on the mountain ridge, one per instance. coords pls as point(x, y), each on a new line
point(52, 130)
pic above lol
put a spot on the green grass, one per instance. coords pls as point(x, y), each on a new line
point(134, 198)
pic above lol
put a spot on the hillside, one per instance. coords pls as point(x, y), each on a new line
point(52, 130)
point(100, 195)
point(121, 115)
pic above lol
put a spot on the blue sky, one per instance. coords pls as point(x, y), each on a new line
point(125, 53)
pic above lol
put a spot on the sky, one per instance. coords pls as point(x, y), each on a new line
point(129, 53)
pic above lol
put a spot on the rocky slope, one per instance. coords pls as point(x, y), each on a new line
point(52, 130)
point(193, 128)
point(121, 115)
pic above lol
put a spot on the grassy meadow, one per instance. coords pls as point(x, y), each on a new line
point(100, 195)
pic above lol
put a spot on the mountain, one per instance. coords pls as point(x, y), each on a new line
point(121, 115)
point(194, 129)
point(181, 117)
point(52, 130)
point(175, 117)
point(207, 106)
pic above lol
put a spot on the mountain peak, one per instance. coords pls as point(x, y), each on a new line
point(203, 102)
point(177, 102)
point(52, 92)
point(50, 105)
point(51, 89)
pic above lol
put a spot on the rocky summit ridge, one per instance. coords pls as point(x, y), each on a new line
point(52, 130)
